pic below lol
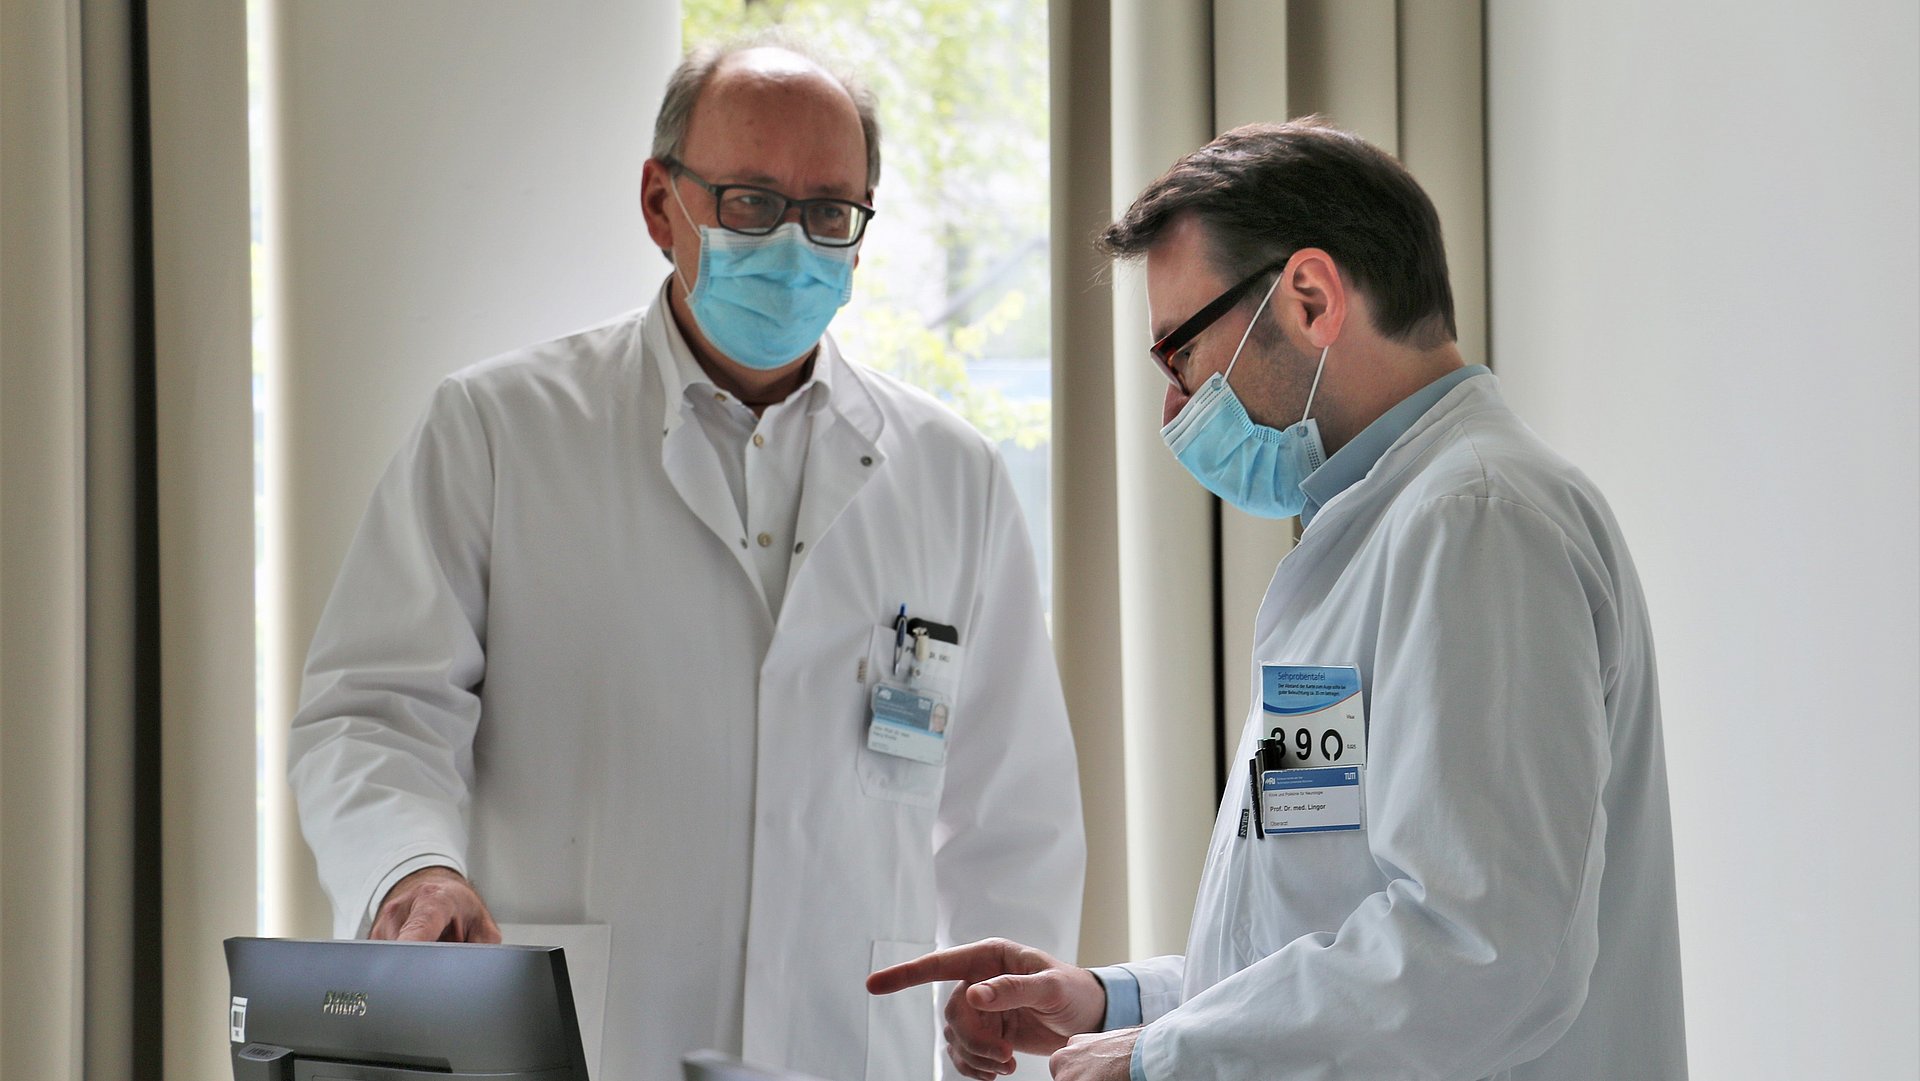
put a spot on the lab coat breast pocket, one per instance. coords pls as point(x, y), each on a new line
point(900, 777)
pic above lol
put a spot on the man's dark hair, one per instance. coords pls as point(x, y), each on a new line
point(1264, 191)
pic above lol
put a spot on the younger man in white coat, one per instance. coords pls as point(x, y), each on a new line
point(614, 640)
point(1456, 861)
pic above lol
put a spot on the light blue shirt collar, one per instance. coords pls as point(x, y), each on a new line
point(1353, 461)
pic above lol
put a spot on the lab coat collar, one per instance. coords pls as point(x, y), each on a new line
point(680, 371)
point(1468, 391)
point(1351, 463)
point(853, 397)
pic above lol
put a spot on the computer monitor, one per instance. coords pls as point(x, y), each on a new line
point(714, 1066)
point(401, 1011)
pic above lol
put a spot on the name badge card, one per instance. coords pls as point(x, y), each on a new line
point(1311, 800)
point(1317, 714)
point(908, 724)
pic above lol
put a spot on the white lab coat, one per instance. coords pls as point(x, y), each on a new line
point(545, 660)
point(1508, 910)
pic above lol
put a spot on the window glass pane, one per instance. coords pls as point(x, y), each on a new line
point(952, 292)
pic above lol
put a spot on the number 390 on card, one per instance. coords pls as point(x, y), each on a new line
point(1317, 712)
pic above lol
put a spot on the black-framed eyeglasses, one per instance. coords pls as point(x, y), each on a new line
point(1183, 335)
point(757, 211)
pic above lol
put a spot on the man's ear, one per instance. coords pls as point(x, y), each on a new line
point(655, 194)
point(1313, 297)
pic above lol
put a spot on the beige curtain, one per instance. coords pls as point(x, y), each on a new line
point(126, 692)
point(122, 854)
point(1085, 557)
point(203, 361)
point(42, 544)
point(1156, 584)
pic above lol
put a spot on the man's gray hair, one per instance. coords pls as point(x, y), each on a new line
point(684, 86)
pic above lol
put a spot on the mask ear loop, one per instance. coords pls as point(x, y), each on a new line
point(673, 185)
point(1316, 382)
point(1249, 331)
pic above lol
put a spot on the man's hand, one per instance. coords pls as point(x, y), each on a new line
point(434, 904)
point(1101, 1056)
point(1011, 998)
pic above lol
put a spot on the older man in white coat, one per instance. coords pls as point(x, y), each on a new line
point(1444, 851)
point(645, 627)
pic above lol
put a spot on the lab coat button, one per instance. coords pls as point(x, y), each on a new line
point(866, 459)
point(798, 546)
point(766, 539)
point(759, 440)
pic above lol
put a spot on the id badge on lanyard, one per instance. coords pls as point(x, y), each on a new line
point(911, 704)
point(1308, 774)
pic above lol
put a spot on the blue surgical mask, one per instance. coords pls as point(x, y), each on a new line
point(1249, 465)
point(765, 300)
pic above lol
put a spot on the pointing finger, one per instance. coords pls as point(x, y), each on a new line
point(426, 922)
point(976, 960)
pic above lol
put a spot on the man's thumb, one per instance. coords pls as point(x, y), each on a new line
point(1013, 992)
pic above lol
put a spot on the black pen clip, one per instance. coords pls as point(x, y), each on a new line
point(1253, 786)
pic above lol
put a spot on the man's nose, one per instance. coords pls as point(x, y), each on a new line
point(1176, 401)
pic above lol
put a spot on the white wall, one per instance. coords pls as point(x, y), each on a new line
point(1705, 275)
